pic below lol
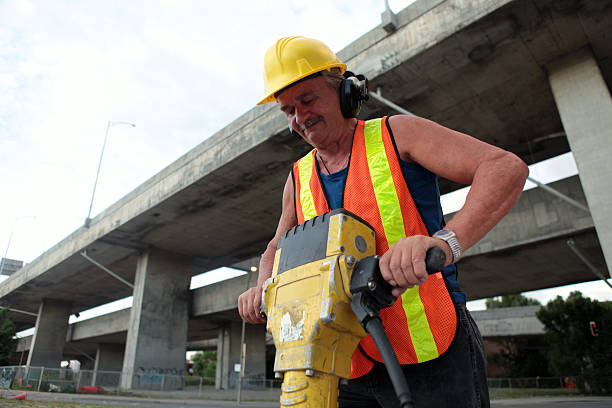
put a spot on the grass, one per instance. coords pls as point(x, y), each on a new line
point(54, 404)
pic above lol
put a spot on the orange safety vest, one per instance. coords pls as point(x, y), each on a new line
point(421, 324)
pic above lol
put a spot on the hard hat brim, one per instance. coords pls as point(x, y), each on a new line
point(271, 96)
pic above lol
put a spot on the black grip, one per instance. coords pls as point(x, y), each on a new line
point(434, 260)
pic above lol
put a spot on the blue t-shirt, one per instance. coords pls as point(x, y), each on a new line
point(423, 186)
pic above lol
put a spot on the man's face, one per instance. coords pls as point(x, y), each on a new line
point(312, 108)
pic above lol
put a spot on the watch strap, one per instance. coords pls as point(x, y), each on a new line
point(452, 241)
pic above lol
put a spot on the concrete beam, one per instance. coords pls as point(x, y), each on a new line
point(585, 106)
point(198, 345)
point(536, 217)
point(221, 296)
point(110, 323)
point(528, 249)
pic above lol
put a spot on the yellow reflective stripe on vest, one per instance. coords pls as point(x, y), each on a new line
point(382, 181)
point(420, 333)
point(393, 225)
point(306, 198)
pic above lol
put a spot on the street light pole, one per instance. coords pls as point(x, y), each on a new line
point(93, 194)
point(8, 245)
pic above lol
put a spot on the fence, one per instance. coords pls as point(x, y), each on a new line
point(67, 380)
point(533, 382)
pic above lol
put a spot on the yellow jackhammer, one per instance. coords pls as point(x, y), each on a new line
point(325, 289)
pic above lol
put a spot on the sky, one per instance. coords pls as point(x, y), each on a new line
point(179, 70)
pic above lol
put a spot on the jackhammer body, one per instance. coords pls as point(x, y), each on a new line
point(325, 286)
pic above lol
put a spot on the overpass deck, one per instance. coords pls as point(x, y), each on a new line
point(478, 66)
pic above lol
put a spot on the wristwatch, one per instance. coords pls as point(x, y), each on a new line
point(450, 238)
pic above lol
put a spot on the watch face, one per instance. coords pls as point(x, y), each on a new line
point(443, 233)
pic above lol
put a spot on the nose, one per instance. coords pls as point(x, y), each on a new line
point(299, 117)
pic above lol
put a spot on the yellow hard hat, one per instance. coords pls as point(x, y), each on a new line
point(294, 58)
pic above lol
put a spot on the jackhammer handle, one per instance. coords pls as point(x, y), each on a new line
point(434, 260)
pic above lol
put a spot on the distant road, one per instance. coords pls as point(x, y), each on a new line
point(555, 402)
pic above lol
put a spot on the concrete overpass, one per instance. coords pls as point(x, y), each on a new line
point(545, 224)
point(529, 76)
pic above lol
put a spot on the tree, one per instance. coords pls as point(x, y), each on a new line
point(7, 336)
point(574, 349)
point(518, 356)
point(511, 301)
point(521, 356)
point(205, 363)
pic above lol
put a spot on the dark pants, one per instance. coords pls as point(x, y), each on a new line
point(457, 379)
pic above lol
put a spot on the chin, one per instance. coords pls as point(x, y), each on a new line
point(314, 137)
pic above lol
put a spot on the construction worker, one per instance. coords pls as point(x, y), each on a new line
point(385, 171)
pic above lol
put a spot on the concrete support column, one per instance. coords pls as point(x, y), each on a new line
point(50, 334)
point(228, 355)
point(109, 357)
point(585, 106)
point(223, 358)
point(157, 332)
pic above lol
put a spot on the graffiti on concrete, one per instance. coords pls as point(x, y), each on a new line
point(161, 371)
point(6, 377)
point(155, 375)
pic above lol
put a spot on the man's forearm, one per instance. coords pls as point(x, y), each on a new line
point(266, 263)
point(496, 187)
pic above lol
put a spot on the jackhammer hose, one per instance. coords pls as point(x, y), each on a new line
point(370, 294)
point(375, 327)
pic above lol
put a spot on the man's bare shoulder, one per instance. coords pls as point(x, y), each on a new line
point(407, 125)
point(408, 132)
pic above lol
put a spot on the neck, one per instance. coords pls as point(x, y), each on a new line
point(335, 153)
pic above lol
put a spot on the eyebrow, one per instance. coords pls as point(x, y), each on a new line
point(301, 96)
point(305, 94)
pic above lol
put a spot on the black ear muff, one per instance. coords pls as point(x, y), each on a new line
point(353, 90)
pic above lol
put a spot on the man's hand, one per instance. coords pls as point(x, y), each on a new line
point(249, 304)
point(403, 265)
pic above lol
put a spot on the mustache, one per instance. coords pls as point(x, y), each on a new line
point(309, 123)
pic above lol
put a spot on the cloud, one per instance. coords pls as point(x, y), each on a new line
point(180, 70)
